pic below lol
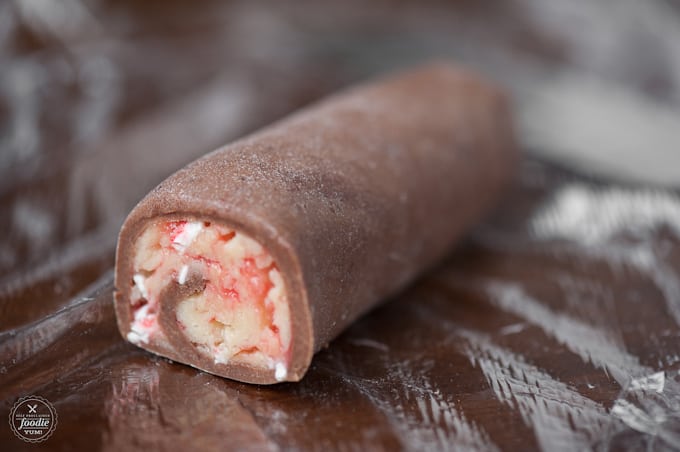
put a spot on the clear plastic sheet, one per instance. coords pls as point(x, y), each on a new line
point(555, 326)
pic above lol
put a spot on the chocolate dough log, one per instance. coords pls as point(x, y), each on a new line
point(252, 258)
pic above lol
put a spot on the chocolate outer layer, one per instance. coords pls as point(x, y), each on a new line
point(354, 197)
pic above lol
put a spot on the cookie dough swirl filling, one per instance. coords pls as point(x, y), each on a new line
point(237, 311)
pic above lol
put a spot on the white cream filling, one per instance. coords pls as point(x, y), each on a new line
point(139, 333)
point(280, 372)
point(139, 282)
point(187, 236)
point(242, 314)
point(182, 277)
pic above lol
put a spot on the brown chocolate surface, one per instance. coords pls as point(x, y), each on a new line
point(353, 197)
point(548, 327)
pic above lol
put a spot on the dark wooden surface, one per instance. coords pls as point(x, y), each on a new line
point(553, 326)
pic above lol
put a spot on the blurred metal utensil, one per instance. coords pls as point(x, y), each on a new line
point(601, 128)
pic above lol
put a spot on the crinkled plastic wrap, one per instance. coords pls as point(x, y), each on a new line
point(554, 326)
